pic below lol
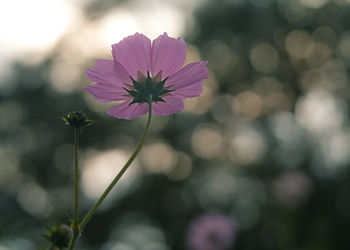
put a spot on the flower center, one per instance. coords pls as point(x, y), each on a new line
point(147, 89)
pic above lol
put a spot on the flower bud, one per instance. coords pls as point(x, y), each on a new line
point(59, 235)
point(78, 120)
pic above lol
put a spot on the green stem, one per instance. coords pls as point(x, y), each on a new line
point(76, 177)
point(75, 224)
point(122, 171)
point(73, 240)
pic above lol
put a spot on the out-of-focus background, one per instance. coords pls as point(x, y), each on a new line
point(259, 161)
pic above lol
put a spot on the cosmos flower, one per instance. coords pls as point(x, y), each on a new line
point(211, 231)
point(142, 71)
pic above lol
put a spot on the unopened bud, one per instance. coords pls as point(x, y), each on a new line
point(78, 120)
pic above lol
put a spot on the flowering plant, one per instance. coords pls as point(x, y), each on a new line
point(147, 77)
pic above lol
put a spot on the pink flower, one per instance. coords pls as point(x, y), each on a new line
point(211, 231)
point(141, 70)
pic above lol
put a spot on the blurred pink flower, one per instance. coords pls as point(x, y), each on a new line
point(211, 231)
point(141, 69)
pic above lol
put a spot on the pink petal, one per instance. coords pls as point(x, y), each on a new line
point(106, 92)
point(193, 90)
point(168, 55)
point(134, 53)
point(188, 75)
point(108, 71)
point(170, 106)
point(126, 111)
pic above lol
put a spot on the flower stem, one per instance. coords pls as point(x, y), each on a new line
point(75, 224)
point(122, 171)
point(73, 240)
point(76, 177)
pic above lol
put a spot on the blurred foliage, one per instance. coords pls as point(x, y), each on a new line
point(267, 144)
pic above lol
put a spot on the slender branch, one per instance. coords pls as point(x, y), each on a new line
point(122, 171)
